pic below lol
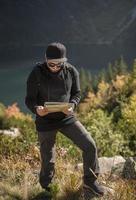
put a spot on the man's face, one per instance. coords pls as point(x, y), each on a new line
point(54, 66)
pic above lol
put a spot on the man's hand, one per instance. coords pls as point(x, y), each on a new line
point(42, 111)
point(68, 111)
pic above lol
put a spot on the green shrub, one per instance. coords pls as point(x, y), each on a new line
point(2, 109)
point(127, 124)
point(21, 144)
point(99, 125)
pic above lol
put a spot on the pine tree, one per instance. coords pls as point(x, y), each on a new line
point(83, 79)
point(122, 66)
point(134, 70)
point(109, 75)
point(95, 83)
point(89, 79)
point(102, 75)
point(116, 68)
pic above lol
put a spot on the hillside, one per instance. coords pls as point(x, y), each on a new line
point(92, 22)
point(108, 113)
point(92, 29)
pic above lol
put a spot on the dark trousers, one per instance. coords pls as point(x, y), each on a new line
point(79, 135)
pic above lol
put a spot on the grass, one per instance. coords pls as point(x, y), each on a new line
point(19, 181)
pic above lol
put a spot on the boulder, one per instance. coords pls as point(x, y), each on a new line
point(13, 132)
point(117, 165)
point(129, 170)
point(108, 163)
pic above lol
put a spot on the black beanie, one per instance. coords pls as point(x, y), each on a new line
point(56, 50)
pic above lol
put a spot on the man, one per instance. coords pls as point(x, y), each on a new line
point(56, 80)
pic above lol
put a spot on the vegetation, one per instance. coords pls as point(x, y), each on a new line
point(108, 112)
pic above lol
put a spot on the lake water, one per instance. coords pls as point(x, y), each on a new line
point(13, 85)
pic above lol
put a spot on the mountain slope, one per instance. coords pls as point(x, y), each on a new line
point(92, 22)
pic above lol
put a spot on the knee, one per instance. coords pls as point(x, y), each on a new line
point(91, 146)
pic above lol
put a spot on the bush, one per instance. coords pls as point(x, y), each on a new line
point(21, 144)
point(99, 124)
point(127, 124)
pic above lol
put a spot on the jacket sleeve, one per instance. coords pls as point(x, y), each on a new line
point(75, 90)
point(31, 92)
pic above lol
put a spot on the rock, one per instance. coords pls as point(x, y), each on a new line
point(117, 166)
point(117, 170)
point(79, 166)
point(129, 170)
point(13, 132)
point(106, 164)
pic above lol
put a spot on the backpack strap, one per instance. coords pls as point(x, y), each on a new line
point(67, 68)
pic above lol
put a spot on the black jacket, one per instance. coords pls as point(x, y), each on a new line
point(45, 86)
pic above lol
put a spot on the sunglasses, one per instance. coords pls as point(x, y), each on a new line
point(51, 64)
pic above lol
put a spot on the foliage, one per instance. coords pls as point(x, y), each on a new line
point(85, 80)
point(127, 124)
point(119, 67)
point(12, 117)
point(100, 126)
point(116, 98)
point(2, 109)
